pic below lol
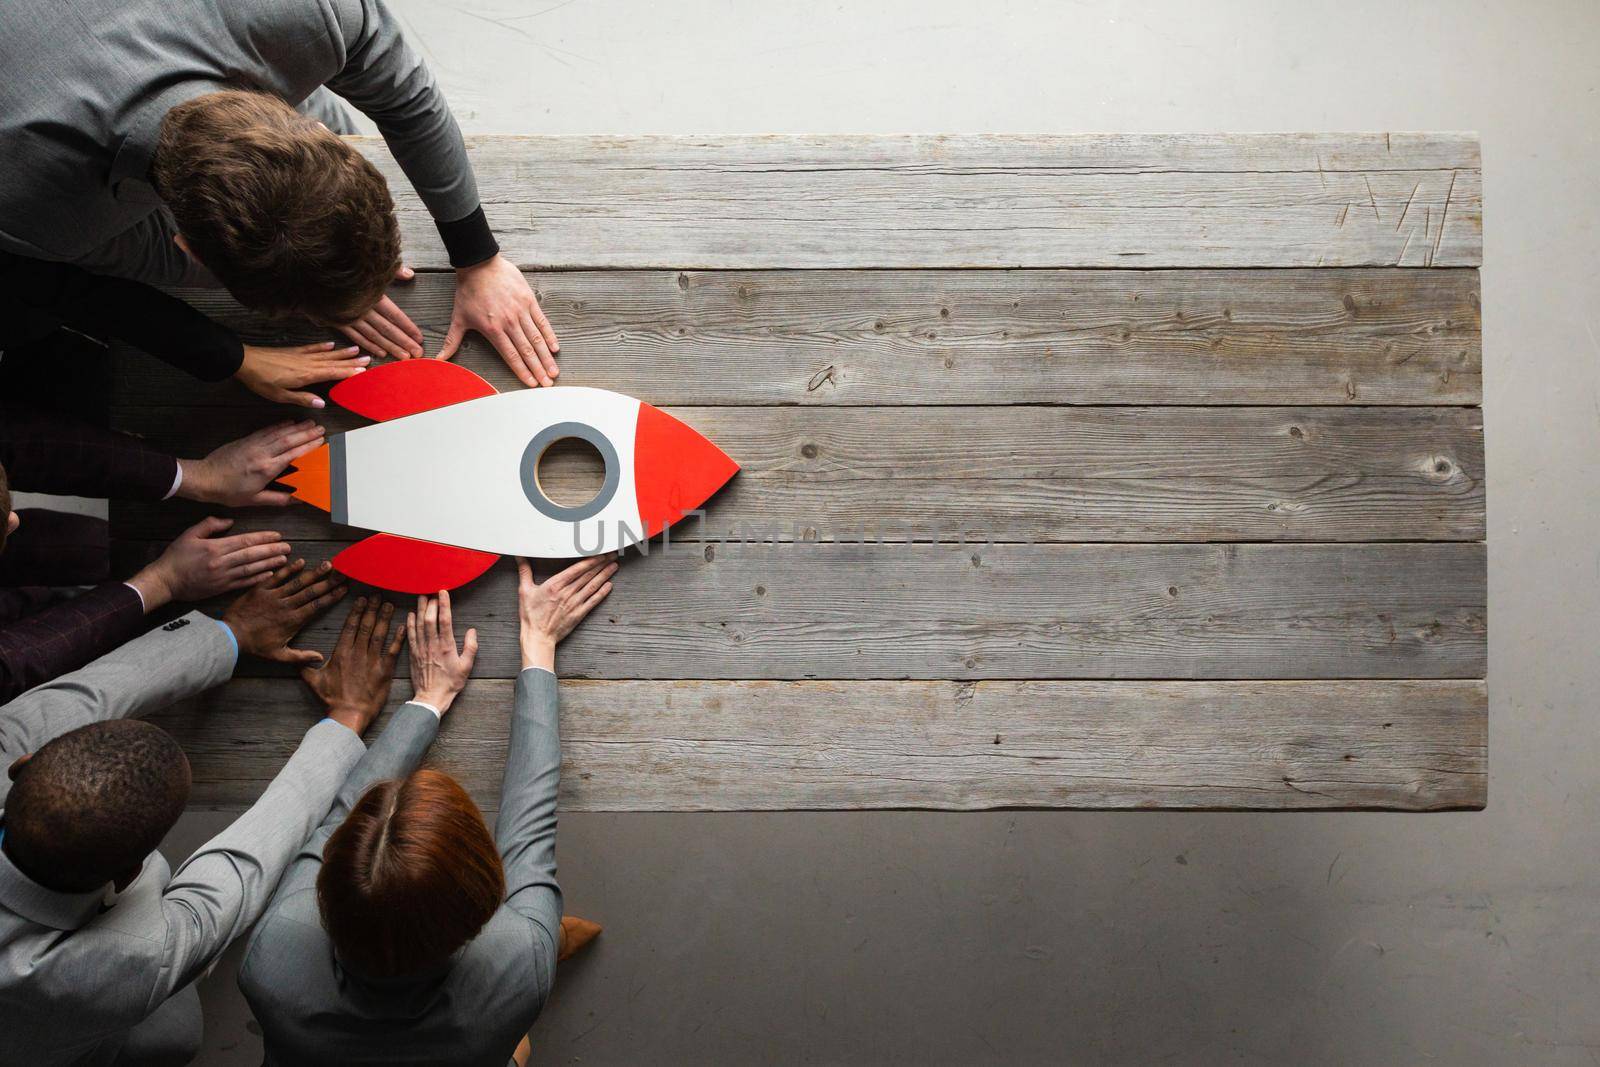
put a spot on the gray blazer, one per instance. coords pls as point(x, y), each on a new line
point(87, 84)
point(81, 981)
point(312, 1010)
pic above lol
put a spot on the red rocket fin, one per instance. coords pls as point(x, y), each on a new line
point(406, 565)
point(675, 469)
point(408, 386)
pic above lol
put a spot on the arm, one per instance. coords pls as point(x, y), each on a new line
point(387, 81)
point(106, 307)
point(65, 636)
point(525, 830)
point(194, 653)
point(43, 452)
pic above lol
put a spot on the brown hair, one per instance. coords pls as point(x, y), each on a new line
point(409, 877)
point(285, 213)
point(5, 507)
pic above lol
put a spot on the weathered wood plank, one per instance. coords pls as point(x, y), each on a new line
point(1036, 474)
point(1381, 336)
point(1007, 611)
point(710, 746)
point(1247, 200)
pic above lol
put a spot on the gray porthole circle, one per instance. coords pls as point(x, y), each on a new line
point(530, 471)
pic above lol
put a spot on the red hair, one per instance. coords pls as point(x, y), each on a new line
point(409, 877)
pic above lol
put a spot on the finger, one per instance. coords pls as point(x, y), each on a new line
point(528, 349)
point(294, 452)
point(293, 435)
point(299, 591)
point(590, 604)
point(271, 498)
point(208, 526)
point(371, 340)
point(381, 630)
point(326, 600)
point(524, 573)
point(349, 354)
point(263, 567)
point(398, 317)
point(547, 362)
point(394, 645)
point(369, 619)
point(447, 629)
point(255, 553)
point(351, 633)
point(469, 648)
point(507, 348)
point(288, 571)
point(237, 542)
point(391, 323)
point(575, 573)
point(404, 273)
point(546, 331)
point(299, 399)
point(318, 347)
point(595, 581)
point(430, 619)
point(296, 655)
point(353, 333)
point(452, 340)
point(411, 636)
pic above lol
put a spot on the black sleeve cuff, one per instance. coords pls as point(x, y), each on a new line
point(469, 241)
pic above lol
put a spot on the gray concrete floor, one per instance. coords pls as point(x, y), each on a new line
point(1123, 938)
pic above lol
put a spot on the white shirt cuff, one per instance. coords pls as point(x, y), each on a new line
point(177, 480)
point(136, 593)
point(437, 714)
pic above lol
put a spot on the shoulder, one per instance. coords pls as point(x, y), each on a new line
point(288, 941)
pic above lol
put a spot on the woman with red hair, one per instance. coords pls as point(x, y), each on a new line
point(405, 932)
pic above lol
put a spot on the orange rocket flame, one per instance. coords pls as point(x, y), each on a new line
point(310, 479)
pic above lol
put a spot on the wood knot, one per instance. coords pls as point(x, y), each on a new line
point(1349, 303)
point(711, 553)
point(944, 313)
point(1297, 433)
point(809, 451)
point(761, 590)
point(683, 281)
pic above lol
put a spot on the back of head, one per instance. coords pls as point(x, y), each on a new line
point(89, 806)
point(409, 877)
point(283, 211)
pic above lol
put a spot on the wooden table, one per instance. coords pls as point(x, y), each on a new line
point(1166, 452)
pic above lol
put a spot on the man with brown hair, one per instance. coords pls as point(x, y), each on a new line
point(158, 140)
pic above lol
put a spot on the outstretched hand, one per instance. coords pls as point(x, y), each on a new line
point(267, 618)
point(438, 671)
point(238, 473)
point(354, 683)
point(385, 330)
point(494, 298)
point(549, 610)
point(200, 563)
point(281, 374)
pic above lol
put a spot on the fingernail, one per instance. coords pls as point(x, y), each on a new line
point(329, 344)
point(364, 360)
point(361, 370)
point(352, 350)
point(318, 402)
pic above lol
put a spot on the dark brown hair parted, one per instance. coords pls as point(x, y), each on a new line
point(284, 212)
point(410, 876)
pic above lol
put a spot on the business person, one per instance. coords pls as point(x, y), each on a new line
point(100, 943)
point(158, 140)
point(403, 932)
point(43, 633)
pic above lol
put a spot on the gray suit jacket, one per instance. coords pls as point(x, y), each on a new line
point(76, 975)
point(312, 1010)
point(87, 83)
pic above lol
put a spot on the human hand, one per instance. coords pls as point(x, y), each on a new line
point(354, 683)
point(385, 330)
point(550, 609)
point(201, 564)
point(265, 619)
point(438, 671)
point(281, 374)
point(493, 298)
point(238, 473)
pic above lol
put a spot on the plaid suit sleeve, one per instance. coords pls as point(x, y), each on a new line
point(43, 452)
point(65, 636)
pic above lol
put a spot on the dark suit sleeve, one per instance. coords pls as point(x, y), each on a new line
point(526, 828)
point(65, 636)
point(43, 452)
point(34, 291)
